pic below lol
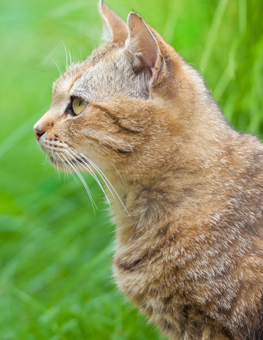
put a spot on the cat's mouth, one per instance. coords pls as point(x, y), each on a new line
point(62, 156)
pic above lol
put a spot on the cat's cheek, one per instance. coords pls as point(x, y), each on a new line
point(93, 152)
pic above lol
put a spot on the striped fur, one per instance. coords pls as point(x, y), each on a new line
point(189, 251)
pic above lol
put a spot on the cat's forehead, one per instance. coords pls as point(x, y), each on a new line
point(107, 72)
point(75, 72)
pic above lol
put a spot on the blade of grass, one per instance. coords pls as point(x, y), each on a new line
point(242, 16)
point(229, 72)
point(217, 19)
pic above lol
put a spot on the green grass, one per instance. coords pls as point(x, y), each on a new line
point(55, 253)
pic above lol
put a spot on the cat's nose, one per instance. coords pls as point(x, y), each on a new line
point(38, 131)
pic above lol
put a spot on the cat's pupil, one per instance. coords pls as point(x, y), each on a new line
point(81, 100)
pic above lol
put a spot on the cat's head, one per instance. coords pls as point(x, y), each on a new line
point(124, 106)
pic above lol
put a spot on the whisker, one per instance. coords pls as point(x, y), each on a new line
point(54, 157)
point(130, 147)
point(66, 168)
point(87, 167)
point(57, 68)
point(105, 179)
point(65, 49)
point(118, 173)
point(70, 58)
point(83, 182)
point(87, 164)
point(108, 183)
point(78, 155)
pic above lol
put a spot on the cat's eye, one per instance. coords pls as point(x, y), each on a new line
point(78, 105)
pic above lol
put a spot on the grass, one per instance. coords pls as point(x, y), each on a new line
point(55, 253)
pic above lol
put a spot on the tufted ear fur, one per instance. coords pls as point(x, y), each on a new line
point(143, 43)
point(114, 28)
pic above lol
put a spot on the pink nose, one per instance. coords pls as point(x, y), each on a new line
point(38, 132)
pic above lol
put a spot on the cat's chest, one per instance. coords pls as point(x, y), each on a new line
point(142, 273)
point(142, 283)
point(163, 299)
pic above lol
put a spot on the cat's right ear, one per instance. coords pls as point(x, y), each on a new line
point(114, 28)
point(143, 43)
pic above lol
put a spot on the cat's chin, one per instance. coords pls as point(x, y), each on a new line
point(56, 163)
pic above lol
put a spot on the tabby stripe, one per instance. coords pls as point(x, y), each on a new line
point(131, 266)
point(115, 119)
point(109, 146)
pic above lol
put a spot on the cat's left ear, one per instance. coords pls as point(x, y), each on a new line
point(114, 28)
point(143, 43)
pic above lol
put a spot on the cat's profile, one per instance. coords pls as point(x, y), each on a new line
point(188, 188)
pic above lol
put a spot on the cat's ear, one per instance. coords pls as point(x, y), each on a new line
point(143, 43)
point(114, 28)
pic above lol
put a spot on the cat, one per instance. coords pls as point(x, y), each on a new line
point(188, 187)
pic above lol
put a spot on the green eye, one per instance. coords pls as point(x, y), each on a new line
point(78, 105)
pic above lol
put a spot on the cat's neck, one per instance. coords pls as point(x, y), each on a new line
point(144, 204)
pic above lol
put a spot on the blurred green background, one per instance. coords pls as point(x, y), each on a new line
point(55, 278)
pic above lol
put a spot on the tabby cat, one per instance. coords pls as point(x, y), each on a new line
point(188, 187)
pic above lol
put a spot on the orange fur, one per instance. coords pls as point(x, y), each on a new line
point(190, 239)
